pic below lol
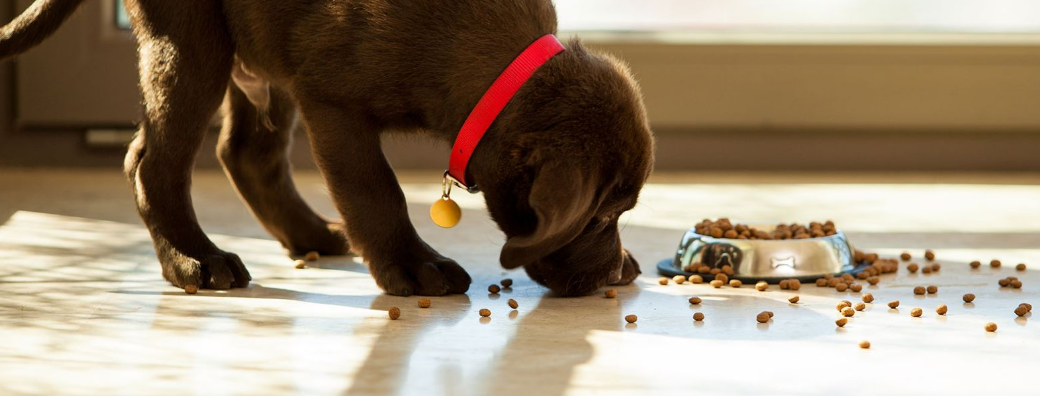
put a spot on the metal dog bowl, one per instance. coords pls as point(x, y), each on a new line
point(768, 260)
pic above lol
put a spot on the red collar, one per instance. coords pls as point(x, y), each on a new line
point(494, 100)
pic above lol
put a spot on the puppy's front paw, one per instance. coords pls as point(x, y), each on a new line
point(212, 270)
point(629, 269)
point(433, 276)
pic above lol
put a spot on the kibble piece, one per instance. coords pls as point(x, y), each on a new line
point(912, 267)
point(975, 264)
point(610, 293)
point(991, 327)
point(841, 287)
point(794, 284)
point(843, 304)
point(704, 269)
point(506, 282)
point(932, 289)
point(919, 290)
point(841, 322)
point(735, 283)
point(300, 264)
point(424, 303)
point(864, 344)
point(893, 304)
point(969, 298)
point(312, 256)
point(930, 255)
point(631, 318)
point(484, 312)
point(716, 283)
point(722, 277)
point(696, 279)
point(761, 286)
point(679, 279)
point(513, 304)
point(868, 298)
point(1020, 267)
point(995, 263)
point(494, 289)
point(1021, 310)
point(856, 287)
point(860, 306)
point(1027, 305)
point(793, 300)
point(941, 309)
point(936, 267)
point(1004, 282)
point(191, 289)
point(663, 281)
point(762, 317)
point(916, 312)
point(873, 280)
point(784, 284)
point(394, 313)
point(695, 300)
point(1016, 284)
point(871, 258)
point(833, 282)
point(848, 311)
point(698, 316)
point(926, 269)
point(821, 282)
point(905, 256)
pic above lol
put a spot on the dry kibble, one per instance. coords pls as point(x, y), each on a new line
point(919, 290)
point(513, 304)
point(930, 255)
point(912, 267)
point(941, 309)
point(927, 269)
point(976, 264)
point(761, 286)
point(631, 318)
point(300, 264)
point(905, 256)
point(485, 312)
point(663, 281)
point(727, 269)
point(695, 300)
point(506, 282)
point(1021, 310)
point(871, 258)
point(843, 304)
point(312, 256)
point(864, 344)
point(191, 289)
point(610, 293)
point(860, 306)
point(969, 297)
point(716, 283)
point(794, 284)
point(932, 289)
point(762, 317)
point(991, 327)
point(722, 277)
point(1020, 267)
point(856, 287)
point(394, 313)
point(821, 282)
point(784, 284)
point(841, 287)
point(873, 280)
point(704, 269)
point(936, 267)
point(679, 279)
point(841, 322)
point(696, 279)
point(848, 311)
point(868, 298)
point(1016, 284)
point(424, 303)
point(735, 283)
point(995, 264)
point(1028, 306)
point(833, 282)
point(1004, 282)
point(793, 300)
point(893, 304)
point(494, 289)
point(916, 312)
point(698, 316)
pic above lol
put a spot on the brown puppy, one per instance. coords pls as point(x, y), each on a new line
point(564, 159)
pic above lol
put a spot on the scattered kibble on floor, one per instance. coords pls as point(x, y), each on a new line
point(912, 267)
point(679, 279)
point(941, 309)
point(761, 286)
point(841, 322)
point(856, 287)
point(716, 283)
point(919, 290)
point(610, 293)
point(312, 256)
point(860, 306)
point(905, 256)
point(932, 289)
point(916, 312)
point(506, 282)
point(695, 300)
point(994, 263)
point(930, 255)
point(1020, 267)
point(1021, 311)
point(735, 283)
point(394, 313)
point(848, 312)
point(864, 344)
point(976, 264)
point(969, 298)
point(698, 317)
point(484, 312)
point(843, 304)
point(893, 304)
point(424, 303)
point(191, 289)
point(631, 318)
point(762, 317)
point(793, 300)
point(513, 304)
point(300, 264)
point(991, 327)
point(868, 298)
point(696, 279)
point(494, 289)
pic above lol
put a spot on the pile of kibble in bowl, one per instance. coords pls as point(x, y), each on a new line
point(724, 228)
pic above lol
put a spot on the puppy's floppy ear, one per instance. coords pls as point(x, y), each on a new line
point(564, 199)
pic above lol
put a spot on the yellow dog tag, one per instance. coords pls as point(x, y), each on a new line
point(445, 212)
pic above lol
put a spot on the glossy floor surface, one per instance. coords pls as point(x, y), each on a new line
point(84, 310)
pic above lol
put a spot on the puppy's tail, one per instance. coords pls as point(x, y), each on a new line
point(38, 22)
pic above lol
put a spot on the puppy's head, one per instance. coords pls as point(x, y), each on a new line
point(571, 153)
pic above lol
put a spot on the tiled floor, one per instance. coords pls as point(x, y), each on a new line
point(83, 309)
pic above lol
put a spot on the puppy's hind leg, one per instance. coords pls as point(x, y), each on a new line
point(185, 61)
point(254, 141)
